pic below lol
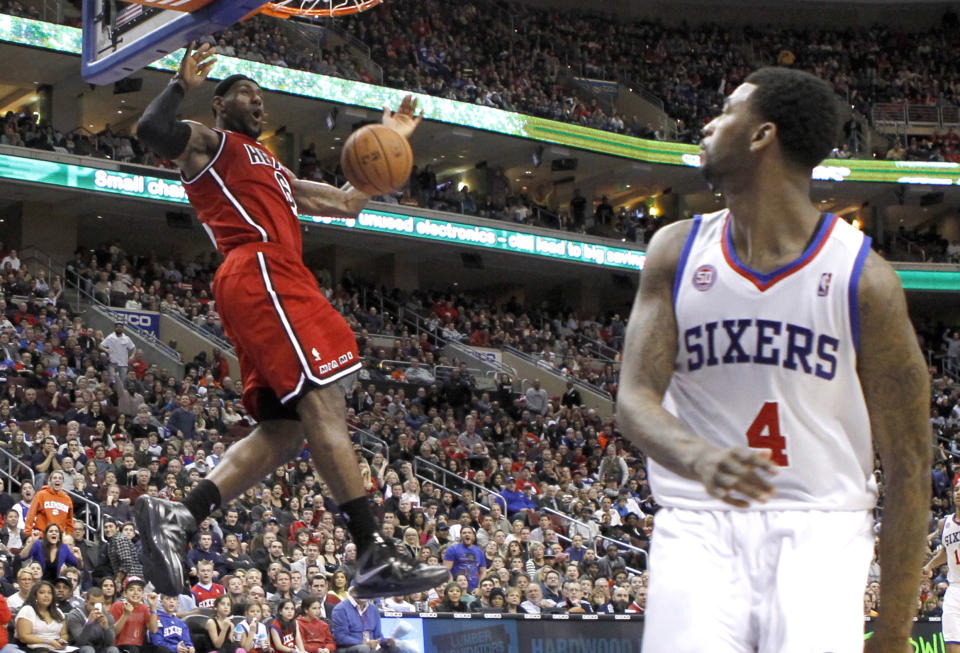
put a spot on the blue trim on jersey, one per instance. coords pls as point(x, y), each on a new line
point(684, 255)
point(803, 259)
point(853, 292)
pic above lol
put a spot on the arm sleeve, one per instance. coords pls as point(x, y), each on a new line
point(159, 127)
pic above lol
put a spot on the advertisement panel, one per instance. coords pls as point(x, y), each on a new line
point(561, 633)
point(148, 321)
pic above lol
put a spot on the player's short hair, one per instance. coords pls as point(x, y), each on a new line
point(803, 107)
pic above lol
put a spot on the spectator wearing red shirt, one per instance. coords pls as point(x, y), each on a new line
point(314, 632)
point(132, 617)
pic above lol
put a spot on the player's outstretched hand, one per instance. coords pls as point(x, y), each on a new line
point(405, 120)
point(725, 471)
point(196, 64)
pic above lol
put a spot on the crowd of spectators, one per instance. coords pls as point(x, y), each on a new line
point(503, 472)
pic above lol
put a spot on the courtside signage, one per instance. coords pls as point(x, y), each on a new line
point(60, 38)
point(146, 187)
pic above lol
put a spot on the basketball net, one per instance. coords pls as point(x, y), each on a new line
point(282, 9)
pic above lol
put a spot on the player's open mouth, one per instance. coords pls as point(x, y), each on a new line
point(257, 114)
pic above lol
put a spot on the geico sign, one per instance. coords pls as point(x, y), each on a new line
point(139, 320)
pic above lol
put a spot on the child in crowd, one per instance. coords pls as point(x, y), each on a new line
point(132, 617)
point(284, 632)
point(250, 635)
point(172, 633)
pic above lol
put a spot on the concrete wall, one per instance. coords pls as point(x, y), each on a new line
point(190, 343)
point(554, 384)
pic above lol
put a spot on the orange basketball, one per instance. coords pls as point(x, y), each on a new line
point(376, 160)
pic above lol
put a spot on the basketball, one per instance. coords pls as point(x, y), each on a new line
point(376, 160)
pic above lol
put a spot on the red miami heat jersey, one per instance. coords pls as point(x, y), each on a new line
point(245, 196)
point(206, 597)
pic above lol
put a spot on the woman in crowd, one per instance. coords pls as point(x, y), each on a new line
point(284, 631)
point(314, 632)
point(50, 552)
point(219, 626)
point(452, 600)
point(411, 542)
point(109, 588)
point(331, 559)
point(40, 624)
point(338, 587)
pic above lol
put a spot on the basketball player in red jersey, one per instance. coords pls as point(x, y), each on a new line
point(292, 344)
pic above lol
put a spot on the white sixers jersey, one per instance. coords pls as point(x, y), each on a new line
point(769, 361)
point(950, 539)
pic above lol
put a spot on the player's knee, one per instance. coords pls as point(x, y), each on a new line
point(324, 404)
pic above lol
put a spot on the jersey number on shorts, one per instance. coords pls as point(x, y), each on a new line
point(287, 191)
point(764, 433)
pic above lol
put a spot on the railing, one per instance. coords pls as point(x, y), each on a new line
point(94, 303)
point(419, 462)
point(91, 513)
point(922, 115)
point(367, 438)
point(14, 469)
point(549, 369)
point(10, 463)
point(619, 543)
point(220, 343)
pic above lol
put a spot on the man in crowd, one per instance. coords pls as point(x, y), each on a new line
point(90, 627)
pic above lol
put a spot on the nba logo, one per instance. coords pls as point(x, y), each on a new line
point(703, 277)
point(823, 288)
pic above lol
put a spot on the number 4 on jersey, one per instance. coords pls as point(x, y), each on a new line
point(764, 433)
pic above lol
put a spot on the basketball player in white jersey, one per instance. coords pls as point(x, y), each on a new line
point(949, 552)
point(766, 346)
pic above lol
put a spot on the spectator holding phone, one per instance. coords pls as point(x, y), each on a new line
point(90, 626)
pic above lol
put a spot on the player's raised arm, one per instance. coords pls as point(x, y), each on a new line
point(896, 386)
point(648, 365)
point(188, 144)
point(316, 198)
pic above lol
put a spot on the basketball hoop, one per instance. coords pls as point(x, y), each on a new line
point(317, 8)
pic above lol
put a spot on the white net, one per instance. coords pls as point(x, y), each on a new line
point(318, 8)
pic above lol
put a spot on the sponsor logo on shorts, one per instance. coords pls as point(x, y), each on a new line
point(328, 368)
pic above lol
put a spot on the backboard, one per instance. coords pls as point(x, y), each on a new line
point(120, 38)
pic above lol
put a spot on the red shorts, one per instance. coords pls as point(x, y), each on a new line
point(286, 334)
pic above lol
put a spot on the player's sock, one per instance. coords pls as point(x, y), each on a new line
point(202, 500)
point(360, 521)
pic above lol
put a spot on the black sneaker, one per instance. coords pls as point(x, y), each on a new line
point(383, 571)
point(165, 528)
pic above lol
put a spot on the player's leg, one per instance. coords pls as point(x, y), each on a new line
point(950, 621)
point(698, 598)
point(166, 526)
point(818, 563)
point(380, 570)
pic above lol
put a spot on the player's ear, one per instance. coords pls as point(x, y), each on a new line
point(763, 136)
point(217, 105)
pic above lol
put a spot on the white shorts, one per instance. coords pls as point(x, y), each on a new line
point(761, 581)
point(950, 621)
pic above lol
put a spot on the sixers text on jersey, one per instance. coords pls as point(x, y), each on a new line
point(764, 342)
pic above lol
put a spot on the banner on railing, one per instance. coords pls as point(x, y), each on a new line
point(559, 633)
point(487, 354)
point(148, 321)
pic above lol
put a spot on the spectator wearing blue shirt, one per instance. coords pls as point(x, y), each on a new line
point(172, 633)
point(355, 624)
point(517, 502)
point(576, 550)
point(466, 558)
